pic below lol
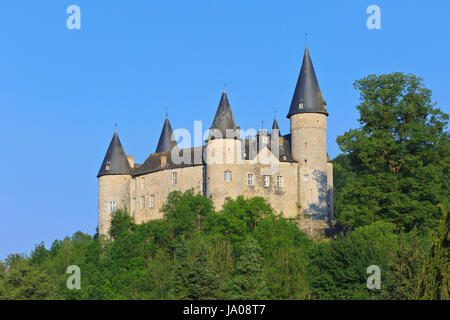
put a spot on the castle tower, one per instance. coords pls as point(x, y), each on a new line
point(114, 181)
point(308, 122)
point(223, 156)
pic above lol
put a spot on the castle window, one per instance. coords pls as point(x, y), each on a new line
point(250, 179)
point(266, 181)
point(279, 182)
point(300, 105)
point(227, 176)
point(174, 178)
point(143, 183)
point(108, 166)
point(112, 206)
point(134, 184)
point(152, 201)
point(142, 202)
point(305, 177)
point(134, 204)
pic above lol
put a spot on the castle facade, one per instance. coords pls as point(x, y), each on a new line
point(292, 172)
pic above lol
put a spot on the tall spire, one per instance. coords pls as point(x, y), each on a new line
point(307, 96)
point(115, 161)
point(224, 119)
point(165, 143)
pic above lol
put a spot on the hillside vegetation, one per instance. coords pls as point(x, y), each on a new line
point(391, 198)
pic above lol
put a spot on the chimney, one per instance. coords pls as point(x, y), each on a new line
point(163, 159)
point(131, 161)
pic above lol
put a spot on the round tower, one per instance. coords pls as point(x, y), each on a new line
point(308, 122)
point(114, 183)
point(223, 156)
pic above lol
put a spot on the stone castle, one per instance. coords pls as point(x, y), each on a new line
point(292, 172)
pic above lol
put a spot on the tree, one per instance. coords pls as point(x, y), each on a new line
point(248, 282)
point(399, 156)
point(121, 223)
point(186, 212)
point(435, 277)
point(338, 269)
point(193, 274)
point(240, 217)
point(405, 266)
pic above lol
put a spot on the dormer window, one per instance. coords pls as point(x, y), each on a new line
point(300, 105)
point(108, 166)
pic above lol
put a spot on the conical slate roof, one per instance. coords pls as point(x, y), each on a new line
point(115, 161)
point(224, 119)
point(275, 124)
point(307, 96)
point(165, 143)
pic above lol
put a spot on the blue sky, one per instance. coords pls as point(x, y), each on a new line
point(62, 91)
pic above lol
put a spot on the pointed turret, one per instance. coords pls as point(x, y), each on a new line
point(275, 124)
point(307, 96)
point(115, 161)
point(165, 143)
point(224, 120)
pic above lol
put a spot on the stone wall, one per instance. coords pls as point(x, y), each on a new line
point(160, 185)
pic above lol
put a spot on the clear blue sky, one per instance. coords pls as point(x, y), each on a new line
point(62, 91)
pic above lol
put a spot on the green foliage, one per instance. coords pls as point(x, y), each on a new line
point(240, 217)
point(435, 277)
point(219, 256)
point(121, 224)
point(186, 213)
point(248, 282)
point(397, 161)
point(338, 268)
point(405, 266)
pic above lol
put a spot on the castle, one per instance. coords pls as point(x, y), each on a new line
point(292, 172)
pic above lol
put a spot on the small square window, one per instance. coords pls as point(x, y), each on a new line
point(306, 177)
point(300, 105)
point(108, 166)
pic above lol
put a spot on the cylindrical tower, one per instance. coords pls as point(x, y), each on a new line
point(114, 184)
point(113, 194)
point(308, 117)
point(309, 148)
point(223, 156)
